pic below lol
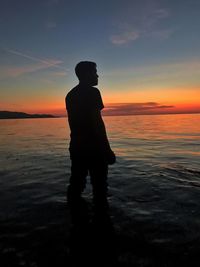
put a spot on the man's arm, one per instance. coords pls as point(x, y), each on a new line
point(102, 139)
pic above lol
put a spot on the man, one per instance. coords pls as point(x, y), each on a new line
point(89, 148)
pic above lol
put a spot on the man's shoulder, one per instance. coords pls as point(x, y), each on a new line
point(79, 94)
point(77, 90)
point(96, 90)
point(71, 93)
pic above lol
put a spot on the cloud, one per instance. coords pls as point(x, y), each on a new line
point(124, 37)
point(136, 109)
point(60, 73)
point(40, 64)
point(13, 72)
point(47, 62)
point(145, 21)
point(161, 13)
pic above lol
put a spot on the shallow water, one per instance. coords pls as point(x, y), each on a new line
point(161, 150)
point(156, 178)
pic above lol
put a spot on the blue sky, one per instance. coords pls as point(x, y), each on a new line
point(144, 46)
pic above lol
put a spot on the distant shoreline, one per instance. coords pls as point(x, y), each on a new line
point(22, 115)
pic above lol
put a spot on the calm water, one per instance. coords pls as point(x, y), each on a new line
point(156, 177)
point(162, 149)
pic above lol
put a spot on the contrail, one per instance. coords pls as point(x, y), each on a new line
point(48, 63)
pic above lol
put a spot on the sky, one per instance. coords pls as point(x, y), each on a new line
point(147, 54)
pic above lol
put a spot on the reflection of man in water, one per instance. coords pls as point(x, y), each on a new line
point(90, 151)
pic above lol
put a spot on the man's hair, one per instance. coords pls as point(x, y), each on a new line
point(83, 68)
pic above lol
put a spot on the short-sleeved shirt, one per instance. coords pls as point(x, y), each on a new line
point(82, 103)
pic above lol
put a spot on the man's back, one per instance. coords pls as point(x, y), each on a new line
point(83, 104)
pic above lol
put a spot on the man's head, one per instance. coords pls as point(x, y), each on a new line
point(86, 71)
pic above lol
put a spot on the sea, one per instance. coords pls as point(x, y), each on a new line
point(156, 178)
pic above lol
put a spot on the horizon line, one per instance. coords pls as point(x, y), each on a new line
point(110, 115)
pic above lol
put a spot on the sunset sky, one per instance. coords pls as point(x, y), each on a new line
point(147, 54)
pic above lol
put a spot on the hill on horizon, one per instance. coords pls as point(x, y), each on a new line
point(22, 115)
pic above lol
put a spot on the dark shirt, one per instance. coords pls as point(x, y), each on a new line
point(84, 105)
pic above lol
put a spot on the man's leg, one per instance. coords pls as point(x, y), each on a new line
point(77, 184)
point(99, 172)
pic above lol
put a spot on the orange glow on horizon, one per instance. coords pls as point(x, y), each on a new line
point(183, 101)
point(165, 95)
point(60, 110)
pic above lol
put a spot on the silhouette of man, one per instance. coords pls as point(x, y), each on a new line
point(90, 152)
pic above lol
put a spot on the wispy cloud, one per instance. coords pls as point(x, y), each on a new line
point(12, 72)
point(136, 109)
point(60, 73)
point(40, 64)
point(124, 37)
point(161, 13)
point(47, 62)
point(143, 22)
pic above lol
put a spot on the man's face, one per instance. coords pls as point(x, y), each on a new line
point(93, 77)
